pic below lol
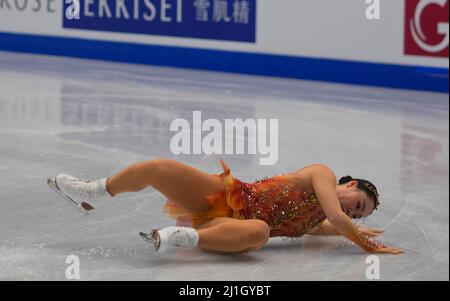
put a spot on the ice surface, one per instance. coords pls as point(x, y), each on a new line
point(91, 119)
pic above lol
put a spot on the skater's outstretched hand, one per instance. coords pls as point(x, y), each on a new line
point(382, 249)
point(388, 250)
point(372, 232)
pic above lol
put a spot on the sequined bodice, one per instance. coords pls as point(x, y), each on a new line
point(288, 210)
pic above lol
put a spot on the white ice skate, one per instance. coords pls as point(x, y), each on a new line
point(78, 192)
point(171, 237)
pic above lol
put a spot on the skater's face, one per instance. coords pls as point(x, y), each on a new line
point(355, 202)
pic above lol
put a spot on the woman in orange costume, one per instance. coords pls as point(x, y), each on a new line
point(227, 215)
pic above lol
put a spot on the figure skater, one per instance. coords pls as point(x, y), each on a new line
point(225, 214)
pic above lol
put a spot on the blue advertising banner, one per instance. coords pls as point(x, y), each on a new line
point(230, 20)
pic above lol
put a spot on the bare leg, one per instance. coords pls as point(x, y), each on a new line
point(231, 235)
point(188, 187)
point(179, 182)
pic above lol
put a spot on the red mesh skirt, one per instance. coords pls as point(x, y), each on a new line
point(223, 204)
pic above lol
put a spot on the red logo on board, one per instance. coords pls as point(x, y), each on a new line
point(426, 27)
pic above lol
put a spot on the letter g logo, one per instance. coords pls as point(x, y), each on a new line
point(426, 28)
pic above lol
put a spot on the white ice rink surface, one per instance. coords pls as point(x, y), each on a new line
point(91, 119)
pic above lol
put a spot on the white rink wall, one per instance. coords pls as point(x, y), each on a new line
point(323, 29)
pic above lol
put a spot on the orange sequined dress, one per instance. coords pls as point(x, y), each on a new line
point(288, 210)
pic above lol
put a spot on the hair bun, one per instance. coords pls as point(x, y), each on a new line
point(345, 179)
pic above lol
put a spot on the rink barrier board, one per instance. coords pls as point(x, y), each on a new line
point(339, 71)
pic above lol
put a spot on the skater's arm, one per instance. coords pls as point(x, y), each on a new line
point(326, 228)
point(324, 184)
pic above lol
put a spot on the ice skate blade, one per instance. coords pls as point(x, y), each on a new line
point(146, 237)
point(151, 238)
point(52, 183)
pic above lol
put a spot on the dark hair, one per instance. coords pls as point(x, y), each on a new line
point(365, 186)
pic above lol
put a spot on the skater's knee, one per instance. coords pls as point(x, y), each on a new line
point(258, 233)
point(164, 163)
point(153, 167)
